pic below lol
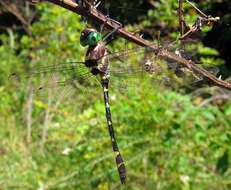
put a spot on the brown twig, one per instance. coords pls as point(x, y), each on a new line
point(181, 17)
point(197, 9)
point(202, 20)
point(198, 25)
point(96, 16)
point(12, 8)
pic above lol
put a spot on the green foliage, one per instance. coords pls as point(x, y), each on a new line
point(166, 13)
point(167, 139)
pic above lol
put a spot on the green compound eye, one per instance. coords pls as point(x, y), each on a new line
point(91, 39)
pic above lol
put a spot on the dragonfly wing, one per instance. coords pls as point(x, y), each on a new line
point(51, 74)
point(135, 62)
point(73, 74)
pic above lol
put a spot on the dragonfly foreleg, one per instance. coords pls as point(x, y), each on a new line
point(110, 36)
point(118, 158)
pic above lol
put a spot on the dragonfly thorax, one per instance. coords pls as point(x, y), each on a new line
point(96, 59)
point(96, 53)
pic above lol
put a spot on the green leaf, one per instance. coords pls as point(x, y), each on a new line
point(223, 163)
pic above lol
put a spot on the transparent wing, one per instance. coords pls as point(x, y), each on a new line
point(138, 61)
point(52, 74)
point(126, 68)
point(137, 66)
point(60, 80)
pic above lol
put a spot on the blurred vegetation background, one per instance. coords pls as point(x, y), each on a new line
point(170, 139)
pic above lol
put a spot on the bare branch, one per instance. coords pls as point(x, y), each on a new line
point(181, 17)
point(198, 10)
point(12, 8)
point(202, 20)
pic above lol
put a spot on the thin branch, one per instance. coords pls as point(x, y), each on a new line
point(181, 17)
point(97, 17)
point(198, 10)
point(9, 6)
point(29, 113)
point(202, 20)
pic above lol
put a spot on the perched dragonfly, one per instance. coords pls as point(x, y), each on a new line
point(98, 51)
point(103, 64)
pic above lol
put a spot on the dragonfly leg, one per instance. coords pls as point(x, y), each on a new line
point(109, 36)
point(118, 158)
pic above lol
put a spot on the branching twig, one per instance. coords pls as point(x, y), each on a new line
point(202, 20)
point(198, 25)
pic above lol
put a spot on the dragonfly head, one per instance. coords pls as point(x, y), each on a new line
point(90, 37)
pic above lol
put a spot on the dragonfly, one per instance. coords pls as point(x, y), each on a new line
point(103, 64)
point(98, 51)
